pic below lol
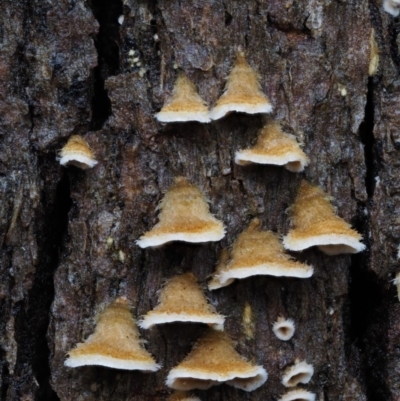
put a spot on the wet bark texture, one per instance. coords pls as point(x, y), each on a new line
point(69, 67)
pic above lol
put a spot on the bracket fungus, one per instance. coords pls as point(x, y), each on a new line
point(184, 216)
point(300, 372)
point(77, 152)
point(213, 361)
point(115, 343)
point(298, 395)
point(392, 7)
point(284, 328)
point(215, 282)
point(257, 252)
point(242, 92)
point(185, 104)
point(274, 147)
point(182, 396)
point(182, 300)
point(316, 224)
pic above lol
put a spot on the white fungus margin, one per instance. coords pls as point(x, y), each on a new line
point(298, 395)
point(300, 372)
point(283, 328)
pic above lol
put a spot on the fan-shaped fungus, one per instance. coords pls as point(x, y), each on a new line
point(242, 92)
point(300, 372)
point(182, 300)
point(274, 147)
point(77, 152)
point(298, 395)
point(214, 361)
point(185, 104)
point(184, 216)
point(315, 224)
point(115, 343)
point(257, 252)
point(283, 328)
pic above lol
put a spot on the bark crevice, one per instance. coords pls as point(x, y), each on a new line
point(32, 315)
point(367, 294)
point(368, 140)
point(107, 42)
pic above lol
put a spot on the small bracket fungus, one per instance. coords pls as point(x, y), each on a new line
point(257, 252)
point(242, 92)
point(396, 282)
point(115, 343)
point(182, 396)
point(185, 104)
point(213, 361)
point(315, 224)
point(283, 328)
point(181, 300)
point(300, 372)
point(392, 7)
point(298, 395)
point(184, 216)
point(77, 152)
point(274, 147)
point(215, 283)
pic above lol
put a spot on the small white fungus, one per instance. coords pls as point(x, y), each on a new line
point(300, 372)
point(283, 328)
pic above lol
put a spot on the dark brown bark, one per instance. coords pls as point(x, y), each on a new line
point(66, 68)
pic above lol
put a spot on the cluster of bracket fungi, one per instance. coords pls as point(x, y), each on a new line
point(185, 216)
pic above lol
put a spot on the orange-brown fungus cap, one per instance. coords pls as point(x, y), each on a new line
point(115, 343)
point(316, 224)
point(182, 300)
point(185, 104)
point(257, 252)
point(242, 92)
point(213, 361)
point(184, 216)
point(274, 147)
point(77, 152)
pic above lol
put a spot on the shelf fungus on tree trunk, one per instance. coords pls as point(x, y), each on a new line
point(182, 396)
point(185, 104)
point(214, 361)
point(284, 328)
point(77, 152)
point(298, 395)
point(257, 252)
point(300, 372)
point(215, 282)
point(185, 216)
point(242, 92)
point(316, 224)
point(392, 7)
point(115, 343)
point(182, 300)
point(274, 147)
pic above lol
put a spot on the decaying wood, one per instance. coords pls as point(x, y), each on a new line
point(68, 237)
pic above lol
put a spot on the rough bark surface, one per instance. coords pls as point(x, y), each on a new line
point(67, 67)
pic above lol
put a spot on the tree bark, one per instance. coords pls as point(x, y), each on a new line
point(67, 67)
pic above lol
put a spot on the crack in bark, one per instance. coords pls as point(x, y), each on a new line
point(368, 300)
point(368, 140)
point(107, 46)
point(32, 315)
